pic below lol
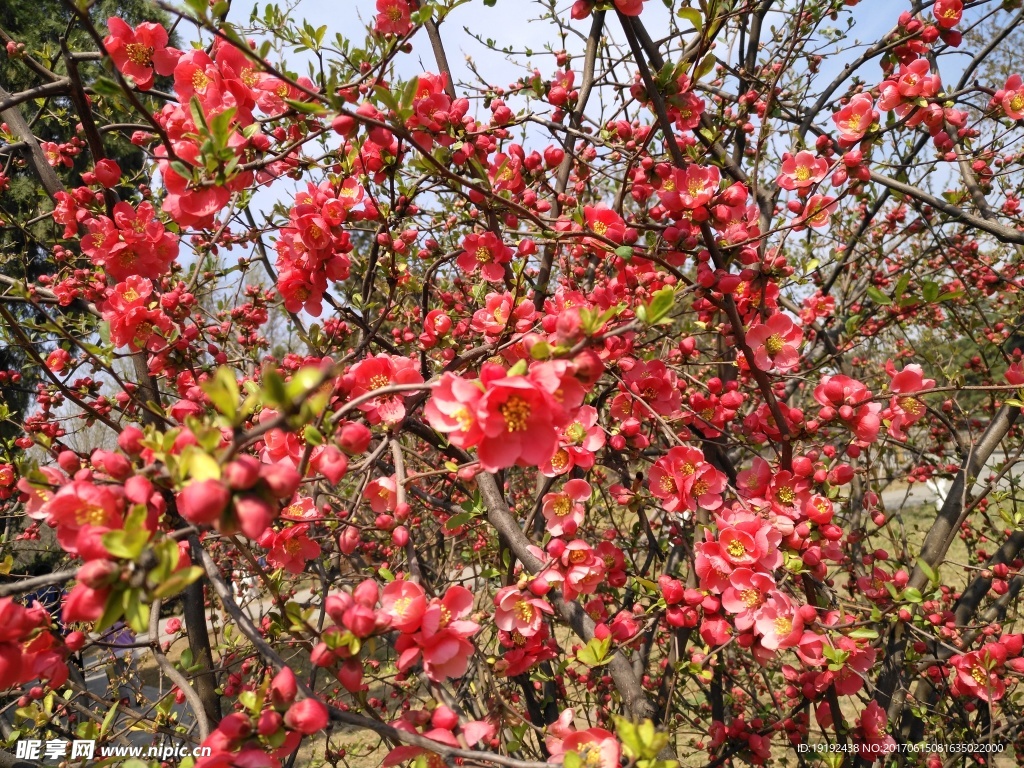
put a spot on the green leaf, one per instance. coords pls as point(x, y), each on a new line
point(864, 634)
point(177, 581)
point(705, 66)
point(519, 369)
point(104, 86)
point(136, 612)
point(624, 252)
point(457, 521)
point(109, 719)
point(112, 611)
point(660, 305)
point(128, 543)
point(307, 107)
point(222, 389)
point(409, 92)
point(541, 350)
point(928, 571)
point(930, 290)
point(878, 297)
point(641, 742)
point(595, 653)
point(691, 15)
point(912, 595)
point(901, 285)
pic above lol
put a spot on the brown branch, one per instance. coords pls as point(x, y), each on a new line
point(174, 673)
point(499, 515)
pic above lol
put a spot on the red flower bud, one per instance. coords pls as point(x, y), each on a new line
point(282, 479)
point(283, 688)
point(307, 716)
point(242, 473)
point(202, 502)
point(354, 438)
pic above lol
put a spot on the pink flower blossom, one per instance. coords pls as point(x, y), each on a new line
point(948, 13)
point(517, 611)
point(904, 408)
point(683, 480)
point(818, 210)
point(1011, 97)
point(775, 343)
point(291, 548)
point(486, 252)
point(802, 170)
point(854, 120)
point(595, 747)
point(404, 602)
point(379, 372)
point(979, 674)
point(393, 17)
point(745, 595)
point(443, 638)
point(564, 511)
point(778, 622)
point(577, 444)
point(139, 53)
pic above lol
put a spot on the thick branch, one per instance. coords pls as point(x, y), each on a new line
point(499, 515)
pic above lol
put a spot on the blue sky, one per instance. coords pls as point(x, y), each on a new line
point(514, 24)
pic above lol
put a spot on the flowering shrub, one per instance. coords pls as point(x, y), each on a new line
point(575, 421)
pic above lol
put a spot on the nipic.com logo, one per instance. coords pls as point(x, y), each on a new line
point(55, 750)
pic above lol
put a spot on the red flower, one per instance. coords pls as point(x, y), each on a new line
point(378, 372)
point(802, 171)
point(81, 505)
point(307, 716)
point(291, 549)
point(817, 211)
point(629, 8)
point(577, 445)
point(775, 343)
point(904, 408)
point(1011, 98)
point(847, 398)
point(519, 416)
point(204, 501)
point(442, 639)
point(779, 623)
point(140, 52)
point(854, 120)
point(488, 253)
point(872, 730)
point(517, 611)
point(594, 747)
point(948, 13)
point(745, 595)
point(133, 243)
point(979, 674)
point(498, 312)
point(393, 17)
point(683, 480)
point(84, 604)
point(404, 602)
point(606, 223)
point(564, 511)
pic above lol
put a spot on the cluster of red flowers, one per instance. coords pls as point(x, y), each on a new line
point(265, 736)
point(313, 248)
point(509, 418)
